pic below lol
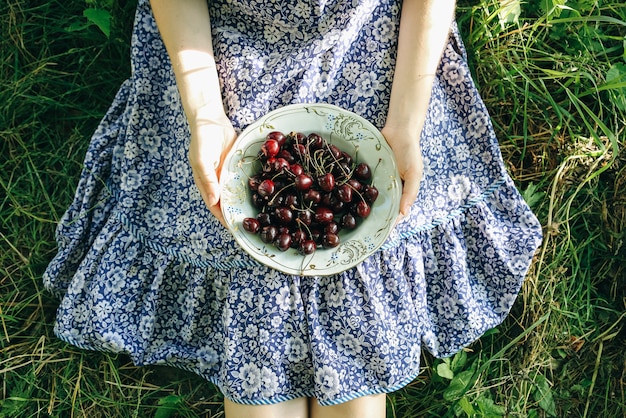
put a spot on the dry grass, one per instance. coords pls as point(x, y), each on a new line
point(556, 88)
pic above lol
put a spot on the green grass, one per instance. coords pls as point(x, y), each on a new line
point(555, 83)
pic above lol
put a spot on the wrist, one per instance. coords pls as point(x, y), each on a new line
point(409, 101)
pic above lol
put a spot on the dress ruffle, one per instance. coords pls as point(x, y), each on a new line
point(93, 199)
point(333, 337)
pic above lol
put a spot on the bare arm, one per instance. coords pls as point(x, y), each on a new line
point(424, 30)
point(186, 31)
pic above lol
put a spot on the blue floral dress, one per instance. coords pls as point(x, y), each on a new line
point(143, 268)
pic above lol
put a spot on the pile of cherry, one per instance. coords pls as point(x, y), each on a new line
point(306, 191)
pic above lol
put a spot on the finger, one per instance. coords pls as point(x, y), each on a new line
point(216, 210)
point(410, 189)
point(208, 183)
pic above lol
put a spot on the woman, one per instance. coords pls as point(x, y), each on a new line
point(145, 266)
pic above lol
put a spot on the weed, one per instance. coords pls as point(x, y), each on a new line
point(553, 75)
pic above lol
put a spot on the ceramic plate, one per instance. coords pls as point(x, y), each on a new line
point(349, 132)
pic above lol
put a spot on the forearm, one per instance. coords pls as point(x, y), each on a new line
point(424, 30)
point(186, 32)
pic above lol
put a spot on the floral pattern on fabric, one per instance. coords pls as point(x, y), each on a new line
point(143, 268)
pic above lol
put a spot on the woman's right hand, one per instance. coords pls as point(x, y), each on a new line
point(210, 142)
point(405, 144)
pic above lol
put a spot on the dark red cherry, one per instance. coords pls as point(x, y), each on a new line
point(348, 221)
point(363, 209)
point(315, 141)
point(292, 201)
point(258, 201)
point(296, 169)
point(268, 234)
point(283, 242)
point(299, 151)
point(297, 237)
point(278, 137)
point(363, 172)
point(330, 240)
point(270, 148)
point(324, 215)
point(251, 225)
point(254, 181)
point(298, 137)
point(344, 193)
point(308, 247)
point(283, 153)
point(312, 196)
point(279, 164)
point(347, 158)
point(355, 184)
point(335, 152)
point(326, 182)
point(269, 165)
point(331, 228)
point(305, 217)
point(303, 182)
point(283, 215)
point(264, 218)
point(370, 193)
point(266, 188)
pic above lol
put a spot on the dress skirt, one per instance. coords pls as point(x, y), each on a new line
point(143, 268)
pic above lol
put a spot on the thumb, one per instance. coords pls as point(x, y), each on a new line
point(410, 189)
point(208, 183)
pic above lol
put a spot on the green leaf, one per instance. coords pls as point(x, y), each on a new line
point(168, 405)
point(543, 395)
point(101, 18)
point(458, 361)
point(467, 407)
point(510, 11)
point(489, 408)
point(532, 413)
point(458, 386)
point(443, 370)
point(532, 195)
point(615, 80)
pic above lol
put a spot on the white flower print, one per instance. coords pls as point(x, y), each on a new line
point(505, 302)
point(461, 153)
point(459, 188)
point(116, 280)
point(327, 380)
point(283, 299)
point(207, 357)
point(518, 264)
point(447, 306)
point(250, 376)
point(334, 294)
point(302, 10)
point(272, 33)
point(384, 29)
point(351, 71)
point(348, 344)
point(478, 122)
point(131, 180)
point(270, 382)
point(296, 349)
point(113, 341)
point(170, 97)
point(455, 74)
point(155, 217)
point(367, 84)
